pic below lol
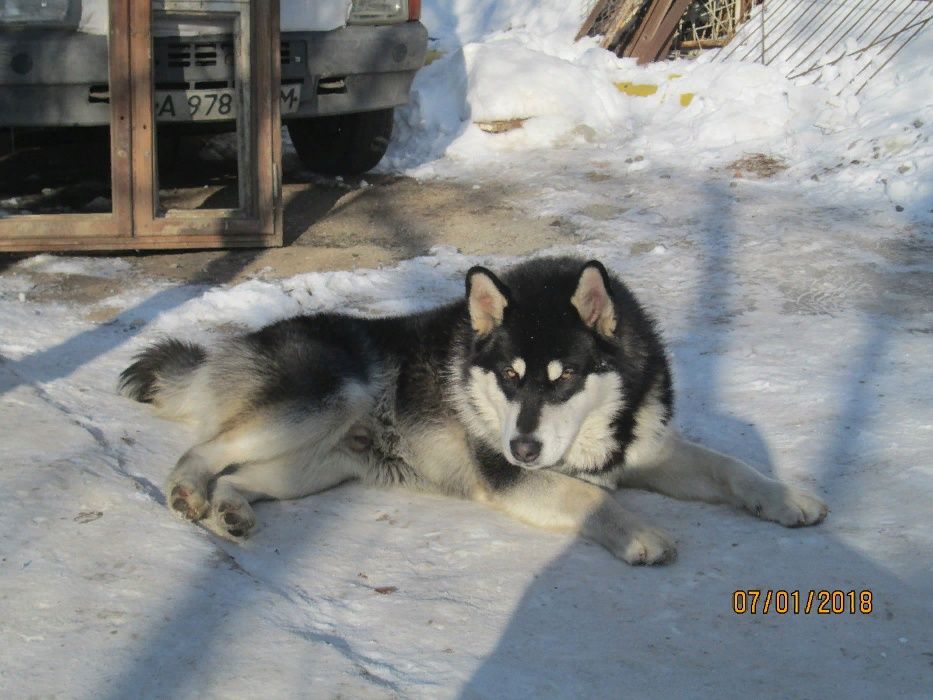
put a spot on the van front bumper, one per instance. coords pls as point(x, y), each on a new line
point(60, 78)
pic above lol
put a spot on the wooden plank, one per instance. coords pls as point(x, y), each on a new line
point(144, 176)
point(121, 191)
point(40, 226)
point(247, 97)
point(650, 19)
point(591, 18)
point(91, 243)
point(267, 145)
point(656, 30)
point(623, 17)
point(691, 44)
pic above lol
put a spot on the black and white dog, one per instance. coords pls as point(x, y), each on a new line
point(535, 394)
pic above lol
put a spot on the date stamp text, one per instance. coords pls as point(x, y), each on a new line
point(763, 601)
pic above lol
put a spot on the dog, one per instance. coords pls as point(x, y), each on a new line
point(537, 394)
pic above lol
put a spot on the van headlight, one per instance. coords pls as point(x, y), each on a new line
point(378, 11)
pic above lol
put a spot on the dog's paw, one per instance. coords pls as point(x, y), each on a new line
point(187, 502)
point(791, 508)
point(645, 546)
point(234, 518)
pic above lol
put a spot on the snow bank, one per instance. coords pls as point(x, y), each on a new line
point(455, 23)
point(504, 62)
point(413, 285)
point(891, 133)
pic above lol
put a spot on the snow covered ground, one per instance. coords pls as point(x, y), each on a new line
point(798, 312)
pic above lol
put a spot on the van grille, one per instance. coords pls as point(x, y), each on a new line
point(205, 54)
point(206, 65)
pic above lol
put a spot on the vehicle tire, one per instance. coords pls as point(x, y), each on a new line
point(345, 144)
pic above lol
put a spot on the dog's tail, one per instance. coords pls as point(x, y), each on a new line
point(162, 374)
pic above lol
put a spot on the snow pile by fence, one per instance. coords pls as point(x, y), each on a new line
point(497, 64)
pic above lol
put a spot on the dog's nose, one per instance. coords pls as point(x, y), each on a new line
point(525, 449)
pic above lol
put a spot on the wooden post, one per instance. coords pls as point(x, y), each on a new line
point(653, 36)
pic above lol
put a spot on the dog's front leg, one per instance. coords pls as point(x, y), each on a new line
point(559, 502)
point(685, 470)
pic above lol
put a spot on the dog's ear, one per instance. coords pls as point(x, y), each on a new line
point(592, 299)
point(487, 298)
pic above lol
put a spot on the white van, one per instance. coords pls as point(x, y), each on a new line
point(345, 65)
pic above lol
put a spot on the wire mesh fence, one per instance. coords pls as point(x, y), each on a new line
point(829, 39)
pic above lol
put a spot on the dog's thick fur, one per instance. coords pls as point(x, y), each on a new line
point(535, 394)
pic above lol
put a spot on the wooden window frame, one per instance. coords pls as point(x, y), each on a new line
point(134, 222)
point(30, 232)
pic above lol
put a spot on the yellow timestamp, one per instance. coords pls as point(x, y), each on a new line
point(763, 601)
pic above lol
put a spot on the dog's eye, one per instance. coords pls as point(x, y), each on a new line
point(568, 373)
point(509, 374)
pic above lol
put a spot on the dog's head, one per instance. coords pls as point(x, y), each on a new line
point(541, 380)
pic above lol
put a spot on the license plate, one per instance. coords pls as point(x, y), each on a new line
point(212, 105)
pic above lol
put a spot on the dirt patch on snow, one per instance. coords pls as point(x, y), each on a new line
point(758, 165)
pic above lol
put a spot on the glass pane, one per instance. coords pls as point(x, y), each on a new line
point(54, 111)
point(30, 11)
point(196, 111)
